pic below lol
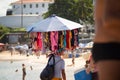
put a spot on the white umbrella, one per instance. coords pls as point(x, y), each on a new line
point(53, 23)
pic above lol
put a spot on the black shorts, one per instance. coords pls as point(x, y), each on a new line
point(106, 51)
point(94, 75)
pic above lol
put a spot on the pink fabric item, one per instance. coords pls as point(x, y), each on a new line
point(54, 40)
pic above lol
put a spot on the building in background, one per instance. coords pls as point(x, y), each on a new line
point(22, 14)
point(25, 13)
point(30, 7)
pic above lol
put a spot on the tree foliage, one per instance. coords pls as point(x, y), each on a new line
point(74, 10)
point(3, 30)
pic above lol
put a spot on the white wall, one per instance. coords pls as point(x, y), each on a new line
point(27, 10)
point(15, 21)
point(27, 19)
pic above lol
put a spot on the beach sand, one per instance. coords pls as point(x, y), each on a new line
point(70, 69)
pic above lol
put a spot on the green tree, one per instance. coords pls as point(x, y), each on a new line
point(85, 11)
point(3, 30)
point(74, 10)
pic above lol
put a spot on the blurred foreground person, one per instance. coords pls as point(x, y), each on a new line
point(106, 46)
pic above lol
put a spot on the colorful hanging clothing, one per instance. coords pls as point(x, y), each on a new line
point(39, 41)
point(72, 39)
point(68, 39)
point(60, 39)
point(46, 39)
point(49, 41)
point(76, 42)
point(54, 40)
point(64, 39)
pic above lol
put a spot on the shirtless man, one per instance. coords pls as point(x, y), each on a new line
point(106, 46)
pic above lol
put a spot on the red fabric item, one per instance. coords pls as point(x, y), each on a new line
point(39, 41)
point(68, 39)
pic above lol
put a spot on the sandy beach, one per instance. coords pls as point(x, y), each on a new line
point(41, 62)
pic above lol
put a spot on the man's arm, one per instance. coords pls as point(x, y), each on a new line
point(63, 74)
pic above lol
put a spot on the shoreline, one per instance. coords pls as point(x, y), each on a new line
point(6, 56)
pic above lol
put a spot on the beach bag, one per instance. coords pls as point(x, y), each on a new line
point(48, 71)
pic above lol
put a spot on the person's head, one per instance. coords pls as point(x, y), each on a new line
point(87, 61)
point(23, 65)
point(61, 51)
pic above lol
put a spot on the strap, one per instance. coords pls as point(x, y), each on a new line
point(51, 56)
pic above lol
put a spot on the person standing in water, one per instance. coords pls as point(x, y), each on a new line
point(24, 71)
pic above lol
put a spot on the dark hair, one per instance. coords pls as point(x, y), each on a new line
point(87, 61)
point(60, 50)
point(23, 64)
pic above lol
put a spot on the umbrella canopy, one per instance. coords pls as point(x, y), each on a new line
point(53, 23)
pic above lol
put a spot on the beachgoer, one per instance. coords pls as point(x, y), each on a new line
point(16, 70)
point(31, 67)
point(24, 71)
point(87, 67)
point(93, 68)
point(12, 50)
point(59, 66)
point(73, 57)
point(106, 47)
